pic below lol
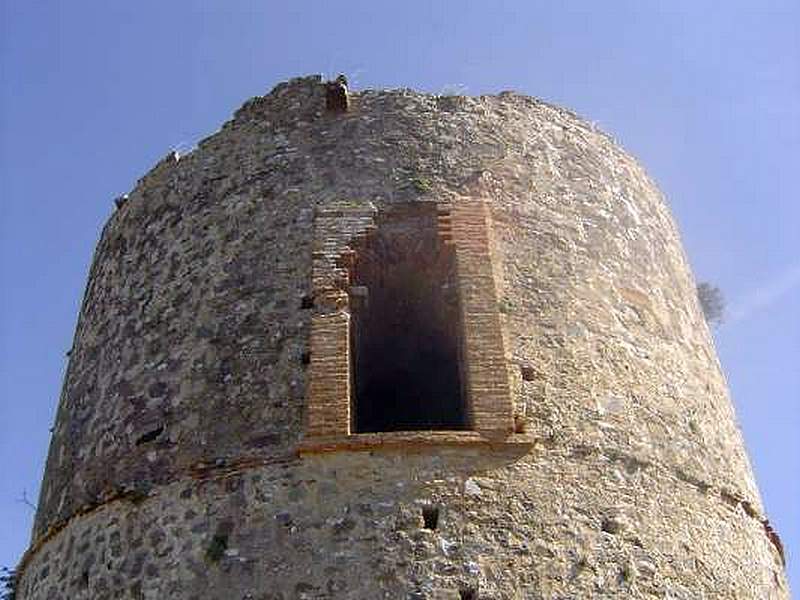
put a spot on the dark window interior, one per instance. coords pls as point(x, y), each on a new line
point(405, 327)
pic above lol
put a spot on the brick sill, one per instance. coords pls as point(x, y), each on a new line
point(411, 440)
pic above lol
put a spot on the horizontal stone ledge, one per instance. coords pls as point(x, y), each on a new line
point(412, 440)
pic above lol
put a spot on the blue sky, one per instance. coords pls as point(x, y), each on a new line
point(705, 94)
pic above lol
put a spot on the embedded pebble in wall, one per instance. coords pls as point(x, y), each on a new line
point(471, 488)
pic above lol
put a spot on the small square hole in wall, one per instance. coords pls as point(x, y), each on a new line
point(528, 372)
point(430, 517)
point(468, 593)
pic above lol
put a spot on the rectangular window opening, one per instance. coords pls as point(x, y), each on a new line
point(405, 327)
point(406, 342)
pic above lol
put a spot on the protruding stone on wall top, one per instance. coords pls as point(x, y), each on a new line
point(336, 98)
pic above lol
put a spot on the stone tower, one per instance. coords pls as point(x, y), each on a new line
point(395, 345)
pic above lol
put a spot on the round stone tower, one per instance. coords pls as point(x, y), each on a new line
point(393, 345)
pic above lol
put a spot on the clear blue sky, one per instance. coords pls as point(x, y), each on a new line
point(706, 94)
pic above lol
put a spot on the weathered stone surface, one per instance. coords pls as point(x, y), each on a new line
point(173, 471)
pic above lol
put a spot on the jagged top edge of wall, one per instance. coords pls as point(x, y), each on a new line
point(310, 85)
point(305, 96)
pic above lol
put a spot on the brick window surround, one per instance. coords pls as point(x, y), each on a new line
point(464, 225)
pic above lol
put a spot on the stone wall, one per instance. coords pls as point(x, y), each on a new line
point(174, 469)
